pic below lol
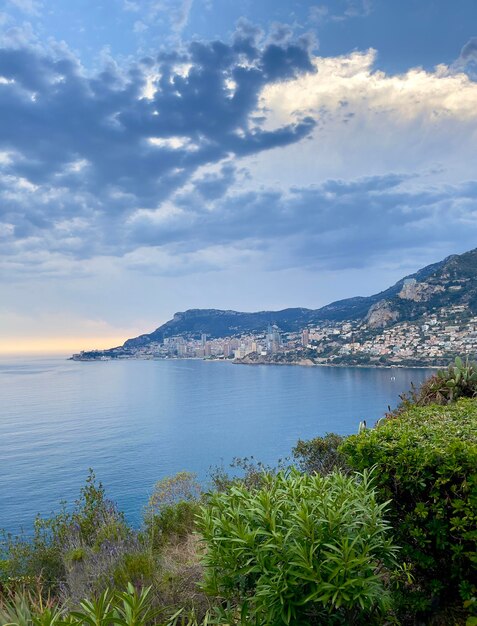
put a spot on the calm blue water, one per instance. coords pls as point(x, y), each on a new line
point(137, 421)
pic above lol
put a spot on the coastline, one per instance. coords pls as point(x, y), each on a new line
point(355, 365)
point(300, 363)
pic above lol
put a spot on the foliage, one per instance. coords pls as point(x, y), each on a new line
point(121, 608)
point(173, 505)
point(70, 551)
point(182, 487)
point(459, 380)
point(426, 460)
point(24, 557)
point(131, 607)
point(320, 455)
point(251, 473)
point(138, 567)
point(300, 548)
point(172, 524)
point(28, 608)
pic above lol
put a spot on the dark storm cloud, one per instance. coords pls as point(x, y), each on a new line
point(84, 142)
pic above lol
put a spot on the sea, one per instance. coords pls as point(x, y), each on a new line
point(137, 421)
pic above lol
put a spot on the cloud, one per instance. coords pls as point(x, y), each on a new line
point(172, 13)
point(467, 61)
point(351, 83)
point(469, 51)
point(214, 186)
point(246, 152)
point(29, 7)
point(337, 224)
point(82, 152)
point(340, 11)
point(371, 122)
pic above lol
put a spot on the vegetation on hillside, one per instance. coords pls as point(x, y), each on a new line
point(377, 528)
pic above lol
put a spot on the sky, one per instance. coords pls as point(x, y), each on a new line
point(161, 155)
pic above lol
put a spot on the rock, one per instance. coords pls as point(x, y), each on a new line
point(418, 292)
point(381, 314)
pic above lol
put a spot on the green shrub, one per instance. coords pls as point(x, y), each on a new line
point(173, 523)
point(119, 608)
point(426, 460)
point(23, 609)
point(139, 568)
point(132, 607)
point(40, 555)
point(173, 505)
point(77, 554)
point(459, 380)
point(302, 549)
point(320, 455)
point(246, 471)
point(72, 549)
point(182, 487)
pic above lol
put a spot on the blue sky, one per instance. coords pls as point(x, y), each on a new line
point(158, 155)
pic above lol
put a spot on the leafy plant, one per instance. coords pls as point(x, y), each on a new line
point(139, 567)
point(28, 609)
point(426, 466)
point(133, 607)
point(96, 612)
point(170, 514)
point(302, 547)
point(71, 550)
point(459, 380)
point(320, 455)
point(172, 524)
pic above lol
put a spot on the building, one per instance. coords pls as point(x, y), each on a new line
point(273, 339)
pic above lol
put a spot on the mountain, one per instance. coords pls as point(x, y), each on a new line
point(452, 281)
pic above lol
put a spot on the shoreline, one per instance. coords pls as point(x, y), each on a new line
point(356, 365)
point(268, 363)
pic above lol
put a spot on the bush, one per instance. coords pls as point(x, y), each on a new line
point(173, 505)
point(246, 471)
point(71, 552)
point(139, 568)
point(27, 609)
point(426, 460)
point(131, 607)
point(459, 380)
point(172, 524)
point(302, 549)
point(320, 455)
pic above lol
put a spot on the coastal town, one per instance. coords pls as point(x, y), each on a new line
point(432, 340)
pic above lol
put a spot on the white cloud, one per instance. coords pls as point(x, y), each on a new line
point(370, 122)
point(354, 80)
point(173, 143)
